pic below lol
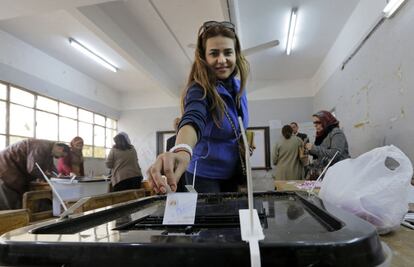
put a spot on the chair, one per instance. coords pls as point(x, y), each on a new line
point(31, 201)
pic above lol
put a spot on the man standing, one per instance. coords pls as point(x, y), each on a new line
point(302, 136)
point(18, 169)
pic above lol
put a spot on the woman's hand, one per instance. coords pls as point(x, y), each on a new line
point(308, 146)
point(170, 165)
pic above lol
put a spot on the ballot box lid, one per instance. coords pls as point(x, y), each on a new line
point(300, 230)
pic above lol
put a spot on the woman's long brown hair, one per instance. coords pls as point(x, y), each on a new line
point(203, 75)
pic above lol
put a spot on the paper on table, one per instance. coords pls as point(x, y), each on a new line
point(180, 208)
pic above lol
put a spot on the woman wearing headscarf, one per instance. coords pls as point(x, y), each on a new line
point(73, 162)
point(329, 140)
point(123, 160)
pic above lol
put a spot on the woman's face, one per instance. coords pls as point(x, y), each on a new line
point(78, 144)
point(221, 56)
point(318, 124)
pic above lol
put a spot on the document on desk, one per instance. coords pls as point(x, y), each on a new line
point(180, 208)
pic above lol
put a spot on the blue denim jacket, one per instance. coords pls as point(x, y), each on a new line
point(216, 151)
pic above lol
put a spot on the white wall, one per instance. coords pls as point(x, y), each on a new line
point(141, 126)
point(26, 66)
point(373, 94)
point(364, 16)
point(272, 89)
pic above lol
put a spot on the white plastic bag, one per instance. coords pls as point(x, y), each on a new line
point(373, 186)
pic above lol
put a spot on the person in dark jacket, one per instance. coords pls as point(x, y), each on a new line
point(209, 130)
point(18, 167)
point(295, 128)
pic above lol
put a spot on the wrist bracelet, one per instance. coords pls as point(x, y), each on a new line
point(182, 147)
point(183, 150)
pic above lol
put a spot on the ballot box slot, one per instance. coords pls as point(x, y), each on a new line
point(201, 222)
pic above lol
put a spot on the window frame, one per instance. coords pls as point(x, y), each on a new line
point(35, 109)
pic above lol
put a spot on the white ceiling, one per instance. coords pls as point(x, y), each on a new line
point(148, 39)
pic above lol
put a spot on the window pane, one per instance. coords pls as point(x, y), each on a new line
point(85, 115)
point(47, 104)
point(3, 91)
point(99, 152)
point(68, 111)
point(21, 97)
point(110, 134)
point(21, 120)
point(99, 136)
point(110, 123)
point(87, 151)
point(67, 129)
point(15, 139)
point(99, 120)
point(46, 126)
point(86, 132)
point(2, 117)
point(2, 142)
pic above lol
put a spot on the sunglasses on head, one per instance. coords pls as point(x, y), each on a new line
point(212, 23)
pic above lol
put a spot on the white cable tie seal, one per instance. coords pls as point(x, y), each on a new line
point(250, 227)
point(182, 146)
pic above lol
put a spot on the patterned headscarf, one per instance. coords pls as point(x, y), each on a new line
point(328, 122)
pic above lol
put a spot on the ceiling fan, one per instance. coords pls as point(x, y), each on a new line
point(252, 50)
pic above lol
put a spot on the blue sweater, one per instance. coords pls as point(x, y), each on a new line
point(216, 151)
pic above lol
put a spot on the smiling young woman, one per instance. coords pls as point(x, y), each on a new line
point(209, 131)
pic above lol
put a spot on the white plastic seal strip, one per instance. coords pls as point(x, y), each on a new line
point(191, 188)
point(310, 191)
point(250, 227)
point(52, 186)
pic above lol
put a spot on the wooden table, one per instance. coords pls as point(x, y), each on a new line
point(401, 241)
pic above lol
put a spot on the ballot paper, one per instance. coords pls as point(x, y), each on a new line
point(180, 208)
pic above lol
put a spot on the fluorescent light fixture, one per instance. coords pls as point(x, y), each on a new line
point(391, 7)
point(291, 32)
point(89, 53)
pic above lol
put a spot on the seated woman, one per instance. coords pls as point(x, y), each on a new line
point(123, 160)
point(72, 164)
point(288, 156)
point(329, 140)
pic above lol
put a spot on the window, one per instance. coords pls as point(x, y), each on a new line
point(67, 129)
point(86, 131)
point(21, 97)
point(21, 120)
point(3, 91)
point(85, 116)
point(24, 114)
point(110, 134)
point(3, 117)
point(68, 111)
point(46, 125)
point(47, 104)
point(2, 142)
point(100, 120)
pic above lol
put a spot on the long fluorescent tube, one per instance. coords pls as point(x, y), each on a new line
point(89, 53)
point(391, 7)
point(291, 32)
